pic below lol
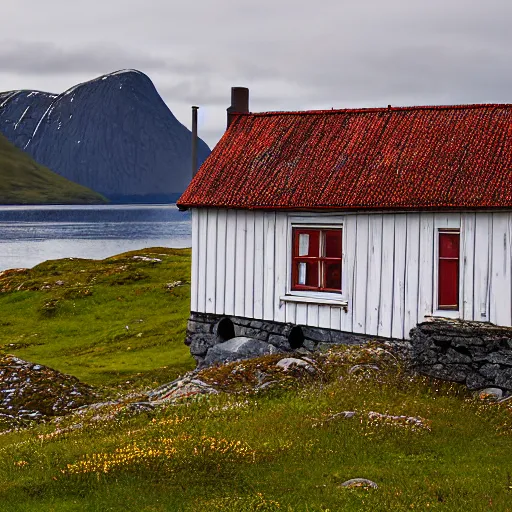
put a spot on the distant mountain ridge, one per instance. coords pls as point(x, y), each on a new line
point(113, 134)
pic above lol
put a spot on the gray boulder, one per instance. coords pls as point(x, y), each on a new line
point(290, 363)
point(490, 393)
point(200, 344)
point(363, 483)
point(183, 387)
point(363, 369)
point(238, 348)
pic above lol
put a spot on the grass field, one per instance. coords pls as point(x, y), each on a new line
point(105, 322)
point(23, 181)
point(280, 450)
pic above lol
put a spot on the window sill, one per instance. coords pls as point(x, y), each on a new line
point(447, 313)
point(314, 300)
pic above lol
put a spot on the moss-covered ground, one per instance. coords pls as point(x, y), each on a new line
point(114, 322)
point(286, 448)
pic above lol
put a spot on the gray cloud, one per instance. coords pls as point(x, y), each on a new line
point(96, 57)
point(292, 54)
point(193, 91)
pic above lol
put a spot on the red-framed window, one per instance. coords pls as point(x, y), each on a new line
point(448, 270)
point(316, 259)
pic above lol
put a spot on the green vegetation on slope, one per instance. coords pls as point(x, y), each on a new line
point(105, 322)
point(284, 449)
point(23, 181)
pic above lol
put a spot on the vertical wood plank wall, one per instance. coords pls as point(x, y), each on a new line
point(240, 267)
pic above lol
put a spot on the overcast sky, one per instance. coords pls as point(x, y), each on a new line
point(292, 54)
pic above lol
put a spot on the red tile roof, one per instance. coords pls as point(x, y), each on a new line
point(394, 158)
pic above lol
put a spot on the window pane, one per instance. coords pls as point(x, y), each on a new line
point(307, 273)
point(333, 243)
point(302, 273)
point(303, 244)
point(306, 242)
point(332, 273)
point(449, 283)
point(449, 245)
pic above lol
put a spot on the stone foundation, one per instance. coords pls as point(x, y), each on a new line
point(476, 354)
point(204, 330)
point(473, 353)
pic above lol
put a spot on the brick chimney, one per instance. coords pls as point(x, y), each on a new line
point(239, 102)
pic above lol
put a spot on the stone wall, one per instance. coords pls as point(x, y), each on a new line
point(203, 333)
point(477, 354)
point(473, 353)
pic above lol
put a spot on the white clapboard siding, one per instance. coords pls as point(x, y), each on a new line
point(361, 274)
point(291, 312)
point(301, 314)
point(509, 256)
point(397, 325)
point(240, 262)
point(280, 267)
point(324, 317)
point(500, 270)
point(196, 249)
point(349, 270)
point(467, 256)
point(412, 258)
point(426, 266)
point(241, 266)
point(336, 318)
point(229, 298)
point(313, 315)
point(259, 255)
point(374, 274)
point(249, 265)
point(201, 264)
point(386, 277)
point(481, 281)
point(211, 261)
point(269, 233)
point(220, 273)
point(509, 260)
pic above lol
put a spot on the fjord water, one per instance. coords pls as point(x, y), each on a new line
point(32, 234)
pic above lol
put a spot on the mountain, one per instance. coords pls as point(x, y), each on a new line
point(23, 181)
point(113, 134)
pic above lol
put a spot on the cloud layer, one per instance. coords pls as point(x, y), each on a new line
point(292, 54)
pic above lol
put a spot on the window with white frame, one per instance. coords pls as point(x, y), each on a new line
point(448, 269)
point(317, 259)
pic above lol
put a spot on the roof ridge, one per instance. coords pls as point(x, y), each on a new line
point(412, 158)
point(369, 110)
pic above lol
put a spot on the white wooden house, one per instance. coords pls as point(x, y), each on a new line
point(360, 221)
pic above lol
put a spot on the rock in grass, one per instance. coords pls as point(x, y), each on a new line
point(363, 370)
point(289, 363)
point(147, 259)
point(238, 348)
point(33, 391)
point(490, 393)
point(180, 388)
point(342, 414)
point(266, 385)
point(359, 483)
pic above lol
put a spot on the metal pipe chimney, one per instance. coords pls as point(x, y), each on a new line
point(239, 103)
point(194, 140)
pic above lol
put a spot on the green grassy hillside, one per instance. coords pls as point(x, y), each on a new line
point(23, 181)
point(103, 321)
